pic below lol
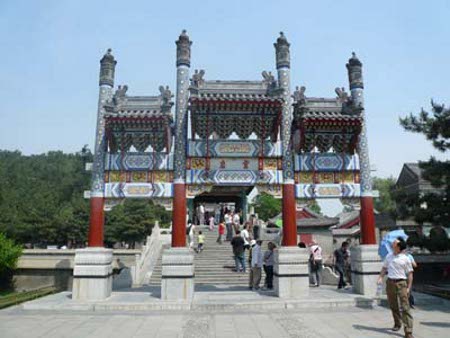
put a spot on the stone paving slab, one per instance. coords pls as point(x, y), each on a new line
point(432, 321)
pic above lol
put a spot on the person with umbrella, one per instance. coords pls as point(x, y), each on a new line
point(397, 266)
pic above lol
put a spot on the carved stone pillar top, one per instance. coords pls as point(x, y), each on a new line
point(282, 52)
point(354, 68)
point(183, 49)
point(107, 69)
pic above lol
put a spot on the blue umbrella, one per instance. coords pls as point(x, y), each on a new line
point(385, 247)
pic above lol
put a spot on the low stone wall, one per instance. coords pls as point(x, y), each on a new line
point(39, 268)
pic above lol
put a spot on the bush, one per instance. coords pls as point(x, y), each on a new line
point(438, 240)
point(9, 256)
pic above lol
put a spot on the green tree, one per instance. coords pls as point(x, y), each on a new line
point(386, 202)
point(315, 207)
point(9, 256)
point(41, 197)
point(132, 221)
point(267, 206)
point(430, 207)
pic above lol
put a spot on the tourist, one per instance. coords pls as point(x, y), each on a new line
point(201, 214)
point(191, 236)
point(414, 265)
point(238, 251)
point(217, 211)
point(339, 261)
point(236, 221)
point(228, 222)
point(316, 263)
point(268, 265)
point(257, 263)
point(255, 226)
point(399, 270)
point(201, 242)
point(246, 236)
point(250, 251)
point(221, 231)
point(211, 223)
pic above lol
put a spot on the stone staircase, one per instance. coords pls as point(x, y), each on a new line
point(214, 265)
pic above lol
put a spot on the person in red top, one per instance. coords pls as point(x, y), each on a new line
point(221, 232)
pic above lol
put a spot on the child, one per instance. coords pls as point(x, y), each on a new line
point(201, 241)
point(221, 232)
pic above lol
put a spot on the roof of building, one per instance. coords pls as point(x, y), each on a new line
point(241, 107)
point(346, 232)
point(410, 179)
point(139, 121)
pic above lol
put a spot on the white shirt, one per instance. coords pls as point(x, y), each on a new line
point(227, 218)
point(317, 252)
point(245, 235)
point(236, 219)
point(202, 209)
point(257, 256)
point(398, 266)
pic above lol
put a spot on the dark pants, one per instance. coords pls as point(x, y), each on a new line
point(340, 271)
point(256, 232)
point(239, 260)
point(268, 269)
point(229, 231)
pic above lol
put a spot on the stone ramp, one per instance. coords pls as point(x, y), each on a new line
point(214, 265)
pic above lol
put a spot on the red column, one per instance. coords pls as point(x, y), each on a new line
point(289, 218)
point(96, 222)
point(367, 221)
point(179, 215)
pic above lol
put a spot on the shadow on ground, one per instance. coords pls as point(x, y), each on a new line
point(376, 329)
point(436, 324)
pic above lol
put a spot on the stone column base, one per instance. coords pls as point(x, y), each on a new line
point(291, 277)
point(177, 283)
point(366, 266)
point(92, 274)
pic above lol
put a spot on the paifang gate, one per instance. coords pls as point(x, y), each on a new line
point(236, 134)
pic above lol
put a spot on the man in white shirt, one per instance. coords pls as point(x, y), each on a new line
point(397, 266)
point(201, 215)
point(237, 221)
point(257, 263)
point(228, 223)
point(246, 236)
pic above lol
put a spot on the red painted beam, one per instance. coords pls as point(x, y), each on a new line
point(367, 221)
point(179, 215)
point(289, 221)
point(96, 222)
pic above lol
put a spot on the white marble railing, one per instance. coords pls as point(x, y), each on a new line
point(146, 260)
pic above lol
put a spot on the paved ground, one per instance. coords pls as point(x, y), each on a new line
point(432, 319)
point(432, 322)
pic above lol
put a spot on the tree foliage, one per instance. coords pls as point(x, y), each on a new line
point(9, 255)
point(267, 206)
point(386, 202)
point(430, 207)
point(41, 202)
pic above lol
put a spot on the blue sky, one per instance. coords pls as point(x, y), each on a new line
point(50, 53)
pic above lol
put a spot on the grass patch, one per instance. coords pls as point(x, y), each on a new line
point(13, 298)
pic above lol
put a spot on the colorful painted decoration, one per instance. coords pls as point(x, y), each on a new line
point(327, 190)
point(138, 190)
point(139, 161)
point(325, 162)
point(233, 148)
point(234, 177)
